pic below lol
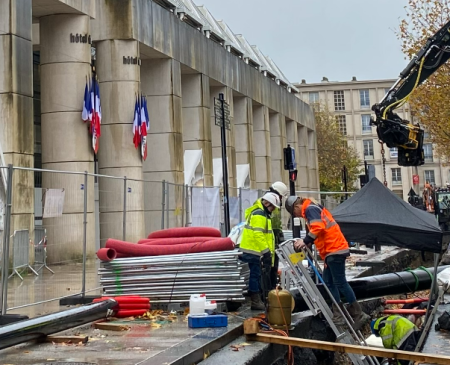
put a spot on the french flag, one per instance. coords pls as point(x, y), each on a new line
point(86, 108)
point(144, 128)
point(98, 109)
point(92, 106)
point(136, 132)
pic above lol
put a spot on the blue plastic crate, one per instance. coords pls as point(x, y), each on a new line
point(216, 320)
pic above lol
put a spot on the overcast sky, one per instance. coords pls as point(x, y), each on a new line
point(309, 39)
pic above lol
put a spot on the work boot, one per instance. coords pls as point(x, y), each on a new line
point(256, 302)
point(337, 316)
point(359, 317)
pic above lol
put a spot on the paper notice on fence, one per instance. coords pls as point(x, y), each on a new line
point(53, 203)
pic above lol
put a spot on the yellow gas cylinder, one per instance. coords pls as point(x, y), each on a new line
point(281, 304)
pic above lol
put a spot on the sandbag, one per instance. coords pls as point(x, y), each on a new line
point(186, 232)
point(133, 250)
point(173, 241)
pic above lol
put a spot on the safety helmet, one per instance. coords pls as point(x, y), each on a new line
point(273, 199)
point(289, 204)
point(279, 188)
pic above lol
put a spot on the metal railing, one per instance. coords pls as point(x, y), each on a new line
point(80, 211)
point(21, 252)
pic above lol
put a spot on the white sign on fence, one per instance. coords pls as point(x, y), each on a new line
point(206, 207)
point(53, 202)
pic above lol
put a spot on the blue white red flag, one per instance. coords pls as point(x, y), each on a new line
point(136, 134)
point(85, 112)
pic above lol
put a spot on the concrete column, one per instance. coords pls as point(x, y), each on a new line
point(16, 107)
point(66, 144)
point(292, 139)
point(303, 158)
point(161, 83)
point(230, 135)
point(261, 144)
point(196, 119)
point(313, 164)
point(277, 143)
point(243, 124)
point(119, 85)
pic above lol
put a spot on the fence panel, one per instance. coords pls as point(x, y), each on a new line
point(175, 201)
point(40, 249)
point(111, 208)
point(21, 253)
point(65, 240)
point(206, 207)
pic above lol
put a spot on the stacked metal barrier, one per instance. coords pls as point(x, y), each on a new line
point(173, 278)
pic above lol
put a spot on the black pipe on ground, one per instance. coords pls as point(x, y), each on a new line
point(378, 286)
point(42, 326)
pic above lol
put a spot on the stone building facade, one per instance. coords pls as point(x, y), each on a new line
point(351, 102)
point(176, 55)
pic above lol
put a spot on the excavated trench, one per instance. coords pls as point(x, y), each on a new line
point(319, 329)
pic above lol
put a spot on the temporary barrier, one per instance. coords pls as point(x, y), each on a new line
point(40, 249)
point(21, 252)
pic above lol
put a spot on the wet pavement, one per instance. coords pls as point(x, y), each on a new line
point(40, 293)
point(144, 344)
point(172, 343)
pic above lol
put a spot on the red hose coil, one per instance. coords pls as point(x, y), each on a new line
point(186, 232)
point(106, 254)
point(130, 313)
point(173, 241)
point(131, 306)
point(134, 250)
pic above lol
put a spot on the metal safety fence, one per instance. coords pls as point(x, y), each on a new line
point(50, 233)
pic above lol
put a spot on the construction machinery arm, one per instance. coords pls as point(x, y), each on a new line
point(391, 128)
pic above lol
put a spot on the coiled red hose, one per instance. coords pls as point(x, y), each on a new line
point(186, 232)
point(127, 249)
point(173, 241)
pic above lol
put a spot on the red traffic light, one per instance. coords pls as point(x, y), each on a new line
point(293, 175)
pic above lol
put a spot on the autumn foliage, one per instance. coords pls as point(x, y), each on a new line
point(333, 153)
point(430, 103)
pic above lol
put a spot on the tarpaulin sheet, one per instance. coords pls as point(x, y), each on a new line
point(375, 215)
point(248, 199)
point(206, 207)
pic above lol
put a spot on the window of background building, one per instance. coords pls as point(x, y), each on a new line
point(428, 152)
point(365, 121)
point(396, 176)
point(364, 99)
point(393, 152)
point(342, 123)
point(313, 97)
point(339, 103)
point(368, 149)
point(429, 176)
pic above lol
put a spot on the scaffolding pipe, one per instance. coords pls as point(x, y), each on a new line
point(379, 286)
point(42, 326)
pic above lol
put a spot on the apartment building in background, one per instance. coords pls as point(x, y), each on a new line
point(351, 101)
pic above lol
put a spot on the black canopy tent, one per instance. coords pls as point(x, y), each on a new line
point(375, 215)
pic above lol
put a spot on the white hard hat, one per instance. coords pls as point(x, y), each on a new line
point(273, 199)
point(280, 188)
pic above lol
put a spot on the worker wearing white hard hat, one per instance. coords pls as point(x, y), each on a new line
point(258, 246)
point(282, 191)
